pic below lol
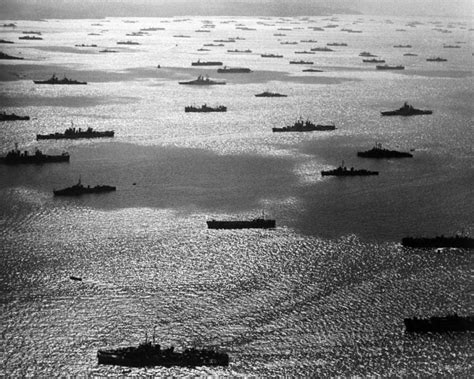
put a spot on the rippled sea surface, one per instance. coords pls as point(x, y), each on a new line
point(326, 292)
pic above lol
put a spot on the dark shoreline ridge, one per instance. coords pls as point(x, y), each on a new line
point(439, 241)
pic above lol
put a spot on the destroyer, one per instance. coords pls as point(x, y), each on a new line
point(379, 152)
point(388, 67)
point(373, 60)
point(73, 133)
point(257, 223)
point(209, 63)
point(406, 110)
point(270, 94)
point(439, 241)
point(437, 59)
point(449, 323)
point(78, 190)
point(301, 62)
point(55, 80)
point(205, 108)
point(304, 126)
point(149, 354)
point(344, 171)
point(203, 81)
point(233, 70)
point(12, 117)
point(15, 156)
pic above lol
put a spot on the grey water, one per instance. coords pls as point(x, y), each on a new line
point(325, 293)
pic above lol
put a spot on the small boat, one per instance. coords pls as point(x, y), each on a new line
point(312, 70)
point(76, 278)
point(127, 43)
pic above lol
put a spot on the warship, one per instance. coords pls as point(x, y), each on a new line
point(12, 117)
point(336, 44)
point(305, 52)
point(437, 59)
point(403, 46)
point(54, 80)
point(73, 133)
point(289, 43)
point(308, 41)
point(410, 55)
point(321, 49)
point(149, 354)
point(388, 67)
point(84, 45)
point(366, 54)
point(304, 126)
point(203, 81)
point(127, 43)
point(108, 51)
point(205, 108)
point(312, 70)
point(233, 70)
point(256, 223)
point(210, 63)
point(344, 171)
point(301, 62)
point(373, 60)
point(240, 51)
point(270, 94)
point(379, 152)
point(5, 41)
point(11, 57)
point(78, 190)
point(449, 323)
point(439, 241)
point(406, 110)
point(15, 156)
point(32, 38)
point(271, 56)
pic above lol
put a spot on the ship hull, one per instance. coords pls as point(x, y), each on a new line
point(254, 224)
point(32, 159)
point(381, 154)
point(75, 135)
point(439, 324)
point(438, 242)
point(405, 114)
point(83, 191)
point(349, 173)
point(317, 128)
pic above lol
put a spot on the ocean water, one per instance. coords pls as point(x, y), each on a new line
point(325, 293)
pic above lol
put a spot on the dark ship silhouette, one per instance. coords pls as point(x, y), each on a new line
point(205, 108)
point(256, 223)
point(149, 354)
point(9, 57)
point(304, 126)
point(209, 63)
point(54, 80)
point(12, 117)
point(233, 70)
point(439, 241)
point(301, 62)
point(33, 38)
point(73, 133)
point(321, 49)
point(406, 110)
point(388, 67)
point(78, 190)
point(379, 152)
point(373, 60)
point(271, 56)
point(344, 171)
point(15, 156)
point(127, 43)
point(437, 59)
point(449, 323)
point(270, 94)
point(203, 81)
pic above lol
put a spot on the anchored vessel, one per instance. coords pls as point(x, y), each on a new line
point(304, 126)
point(73, 133)
point(321, 49)
point(406, 110)
point(78, 189)
point(271, 56)
point(127, 43)
point(379, 152)
point(388, 67)
point(301, 62)
point(344, 171)
point(233, 70)
point(149, 354)
point(270, 94)
point(209, 63)
point(437, 59)
point(203, 81)
point(373, 60)
point(439, 241)
point(205, 108)
point(15, 156)
point(257, 223)
point(12, 117)
point(10, 57)
point(449, 323)
point(54, 80)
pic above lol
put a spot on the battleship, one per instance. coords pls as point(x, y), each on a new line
point(256, 223)
point(234, 70)
point(209, 63)
point(388, 67)
point(379, 152)
point(54, 80)
point(301, 62)
point(11, 57)
point(344, 171)
point(449, 323)
point(406, 110)
point(205, 108)
point(203, 81)
point(437, 59)
point(373, 60)
point(12, 117)
point(149, 354)
point(439, 242)
point(270, 94)
point(73, 133)
point(304, 126)
point(78, 190)
point(15, 156)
